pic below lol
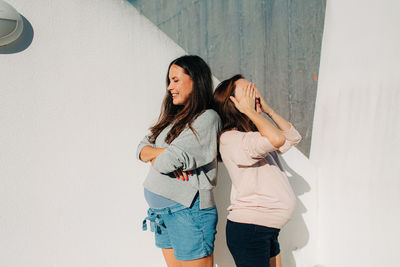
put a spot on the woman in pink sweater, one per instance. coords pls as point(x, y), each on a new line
point(262, 201)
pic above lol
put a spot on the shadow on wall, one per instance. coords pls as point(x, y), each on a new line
point(293, 236)
point(222, 256)
point(23, 42)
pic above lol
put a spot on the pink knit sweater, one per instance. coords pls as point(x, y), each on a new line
point(261, 193)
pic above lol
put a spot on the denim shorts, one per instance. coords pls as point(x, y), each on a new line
point(189, 231)
point(252, 245)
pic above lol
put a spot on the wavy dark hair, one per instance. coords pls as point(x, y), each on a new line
point(231, 117)
point(200, 99)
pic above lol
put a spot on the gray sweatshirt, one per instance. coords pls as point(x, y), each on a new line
point(188, 152)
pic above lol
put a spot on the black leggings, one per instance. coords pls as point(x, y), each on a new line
point(252, 245)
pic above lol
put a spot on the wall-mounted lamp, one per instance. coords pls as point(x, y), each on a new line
point(11, 24)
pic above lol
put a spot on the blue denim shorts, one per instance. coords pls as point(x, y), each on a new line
point(189, 231)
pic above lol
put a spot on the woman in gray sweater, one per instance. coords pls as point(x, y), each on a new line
point(182, 150)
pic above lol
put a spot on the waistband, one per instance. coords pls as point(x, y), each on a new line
point(154, 216)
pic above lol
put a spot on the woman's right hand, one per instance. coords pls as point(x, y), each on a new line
point(246, 103)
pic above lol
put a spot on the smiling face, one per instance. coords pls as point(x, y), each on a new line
point(180, 85)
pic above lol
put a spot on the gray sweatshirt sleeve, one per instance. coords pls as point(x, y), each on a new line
point(188, 151)
point(142, 144)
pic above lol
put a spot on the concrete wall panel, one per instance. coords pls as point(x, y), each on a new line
point(275, 44)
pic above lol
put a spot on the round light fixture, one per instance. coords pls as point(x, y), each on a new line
point(11, 24)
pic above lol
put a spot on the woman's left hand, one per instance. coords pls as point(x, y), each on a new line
point(264, 106)
point(179, 174)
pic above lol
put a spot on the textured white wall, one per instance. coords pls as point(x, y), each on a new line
point(298, 239)
point(356, 136)
point(73, 107)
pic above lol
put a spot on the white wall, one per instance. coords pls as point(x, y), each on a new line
point(356, 138)
point(73, 107)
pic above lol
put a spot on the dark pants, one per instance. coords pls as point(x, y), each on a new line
point(252, 245)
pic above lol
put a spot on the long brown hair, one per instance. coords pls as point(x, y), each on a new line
point(231, 117)
point(200, 99)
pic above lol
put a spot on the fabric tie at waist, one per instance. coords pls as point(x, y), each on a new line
point(154, 216)
point(156, 222)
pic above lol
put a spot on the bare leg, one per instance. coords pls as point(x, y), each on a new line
point(170, 259)
point(207, 261)
point(275, 261)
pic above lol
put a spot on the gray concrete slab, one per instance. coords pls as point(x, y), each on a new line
point(276, 44)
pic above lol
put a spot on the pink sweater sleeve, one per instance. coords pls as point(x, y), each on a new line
point(245, 148)
point(292, 138)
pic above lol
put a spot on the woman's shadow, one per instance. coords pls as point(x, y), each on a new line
point(293, 236)
point(222, 192)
